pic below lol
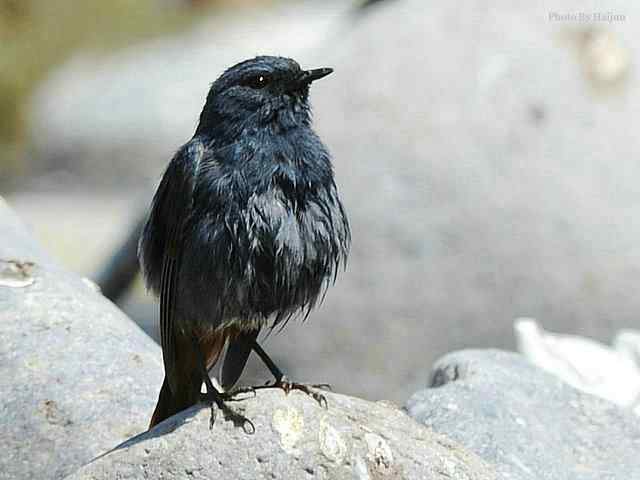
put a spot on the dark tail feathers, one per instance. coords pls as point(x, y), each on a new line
point(169, 404)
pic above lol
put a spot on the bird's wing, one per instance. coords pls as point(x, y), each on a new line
point(161, 242)
point(168, 289)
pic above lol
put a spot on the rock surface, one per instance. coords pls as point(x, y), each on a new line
point(294, 439)
point(526, 422)
point(76, 375)
point(628, 342)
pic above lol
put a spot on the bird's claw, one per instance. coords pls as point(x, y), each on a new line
point(217, 402)
point(288, 386)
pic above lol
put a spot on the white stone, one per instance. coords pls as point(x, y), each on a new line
point(610, 372)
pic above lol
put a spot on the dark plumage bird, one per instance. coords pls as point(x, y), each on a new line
point(246, 229)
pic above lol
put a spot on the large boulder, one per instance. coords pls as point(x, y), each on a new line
point(294, 439)
point(527, 423)
point(76, 375)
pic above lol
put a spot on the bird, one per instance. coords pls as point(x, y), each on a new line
point(246, 231)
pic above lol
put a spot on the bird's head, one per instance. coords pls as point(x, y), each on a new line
point(261, 92)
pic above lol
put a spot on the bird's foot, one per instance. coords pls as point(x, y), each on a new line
point(307, 388)
point(232, 395)
point(217, 400)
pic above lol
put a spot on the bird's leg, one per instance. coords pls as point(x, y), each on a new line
point(282, 382)
point(215, 398)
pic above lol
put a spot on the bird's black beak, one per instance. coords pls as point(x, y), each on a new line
point(308, 76)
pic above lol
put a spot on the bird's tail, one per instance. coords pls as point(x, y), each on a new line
point(169, 404)
point(187, 375)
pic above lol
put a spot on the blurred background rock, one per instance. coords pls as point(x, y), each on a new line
point(486, 154)
point(37, 35)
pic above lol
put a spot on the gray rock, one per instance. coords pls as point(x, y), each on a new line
point(526, 422)
point(76, 375)
point(294, 439)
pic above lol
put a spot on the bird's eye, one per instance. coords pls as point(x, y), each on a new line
point(258, 81)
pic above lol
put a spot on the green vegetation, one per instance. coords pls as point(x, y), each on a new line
point(36, 35)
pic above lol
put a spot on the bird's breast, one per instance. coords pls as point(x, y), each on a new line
point(265, 254)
